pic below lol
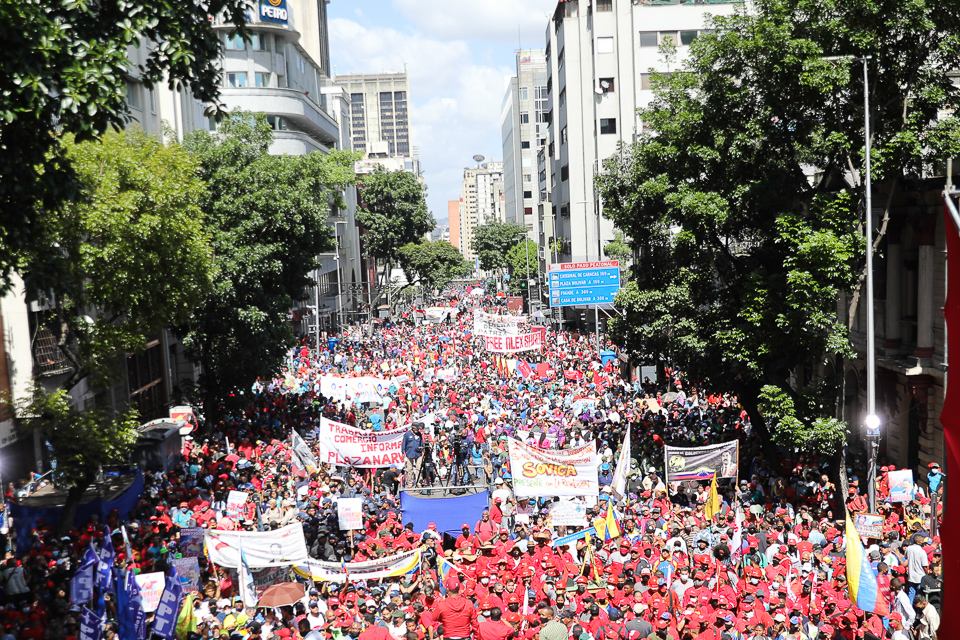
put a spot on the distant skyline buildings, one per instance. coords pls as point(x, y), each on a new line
point(379, 111)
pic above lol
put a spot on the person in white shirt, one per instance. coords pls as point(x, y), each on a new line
point(901, 603)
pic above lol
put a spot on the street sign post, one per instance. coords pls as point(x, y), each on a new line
point(583, 283)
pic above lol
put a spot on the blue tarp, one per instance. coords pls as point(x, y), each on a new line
point(25, 518)
point(449, 513)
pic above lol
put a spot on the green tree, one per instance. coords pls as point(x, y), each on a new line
point(393, 209)
point(432, 264)
point(134, 259)
point(64, 71)
point(743, 200)
point(619, 249)
point(82, 441)
point(492, 240)
point(521, 260)
point(267, 220)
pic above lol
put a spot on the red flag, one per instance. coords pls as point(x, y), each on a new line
point(609, 366)
point(524, 369)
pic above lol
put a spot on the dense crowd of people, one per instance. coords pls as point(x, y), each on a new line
point(769, 564)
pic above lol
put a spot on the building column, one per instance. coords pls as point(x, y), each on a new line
point(926, 230)
point(892, 329)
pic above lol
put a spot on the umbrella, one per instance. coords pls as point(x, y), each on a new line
point(281, 595)
point(232, 458)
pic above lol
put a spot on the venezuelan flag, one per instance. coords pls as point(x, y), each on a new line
point(861, 578)
point(612, 521)
point(444, 568)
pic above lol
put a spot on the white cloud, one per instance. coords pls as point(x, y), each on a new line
point(456, 98)
point(491, 20)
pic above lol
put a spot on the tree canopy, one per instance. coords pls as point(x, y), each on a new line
point(492, 240)
point(63, 70)
point(266, 217)
point(521, 262)
point(393, 209)
point(432, 264)
point(744, 199)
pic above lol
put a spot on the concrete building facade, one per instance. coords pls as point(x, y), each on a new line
point(453, 223)
point(600, 54)
point(482, 198)
point(380, 111)
point(523, 126)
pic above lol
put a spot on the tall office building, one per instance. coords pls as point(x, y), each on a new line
point(523, 125)
point(600, 54)
point(453, 222)
point(482, 198)
point(379, 105)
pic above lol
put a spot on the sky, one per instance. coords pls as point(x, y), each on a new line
point(458, 55)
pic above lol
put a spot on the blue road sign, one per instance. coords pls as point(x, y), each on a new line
point(583, 283)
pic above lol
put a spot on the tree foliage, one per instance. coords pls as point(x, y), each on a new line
point(132, 253)
point(64, 71)
point(492, 240)
point(432, 264)
point(266, 217)
point(521, 261)
point(744, 197)
point(393, 209)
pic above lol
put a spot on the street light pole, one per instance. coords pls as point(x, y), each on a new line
point(872, 420)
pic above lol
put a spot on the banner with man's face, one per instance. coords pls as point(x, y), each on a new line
point(702, 463)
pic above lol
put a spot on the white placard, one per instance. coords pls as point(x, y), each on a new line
point(540, 473)
point(350, 514)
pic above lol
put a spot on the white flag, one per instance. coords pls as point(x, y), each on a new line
point(623, 466)
point(303, 452)
point(248, 592)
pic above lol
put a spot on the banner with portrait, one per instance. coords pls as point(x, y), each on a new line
point(542, 473)
point(702, 463)
point(489, 324)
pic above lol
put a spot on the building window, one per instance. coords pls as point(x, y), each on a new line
point(235, 42)
point(528, 211)
point(668, 37)
point(236, 80)
point(565, 172)
point(133, 95)
point(386, 96)
point(645, 80)
point(399, 95)
point(527, 177)
point(524, 93)
point(527, 194)
point(301, 65)
point(261, 79)
point(524, 144)
point(560, 55)
point(605, 44)
point(687, 37)
point(604, 5)
point(563, 136)
point(356, 98)
point(258, 42)
point(563, 97)
point(524, 117)
point(152, 97)
point(607, 84)
point(608, 125)
point(277, 123)
point(648, 39)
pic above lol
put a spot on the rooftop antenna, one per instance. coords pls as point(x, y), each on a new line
point(478, 159)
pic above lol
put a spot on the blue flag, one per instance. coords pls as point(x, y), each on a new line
point(89, 625)
point(105, 580)
point(165, 622)
point(131, 616)
point(81, 586)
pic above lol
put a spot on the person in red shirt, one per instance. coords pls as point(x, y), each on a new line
point(457, 614)
point(495, 628)
point(465, 539)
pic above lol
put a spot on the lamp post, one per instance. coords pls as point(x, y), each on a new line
point(872, 420)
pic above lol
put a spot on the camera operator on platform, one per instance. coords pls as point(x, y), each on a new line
point(412, 450)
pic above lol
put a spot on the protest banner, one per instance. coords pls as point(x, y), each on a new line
point(151, 588)
point(489, 324)
point(350, 514)
point(343, 445)
point(702, 463)
point(573, 537)
point(277, 548)
point(189, 570)
point(568, 513)
point(540, 473)
point(235, 502)
point(263, 578)
point(868, 525)
point(363, 389)
point(901, 485)
point(580, 405)
point(191, 542)
point(390, 566)
point(514, 344)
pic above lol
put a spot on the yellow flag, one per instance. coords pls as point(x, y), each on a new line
point(712, 508)
point(186, 621)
